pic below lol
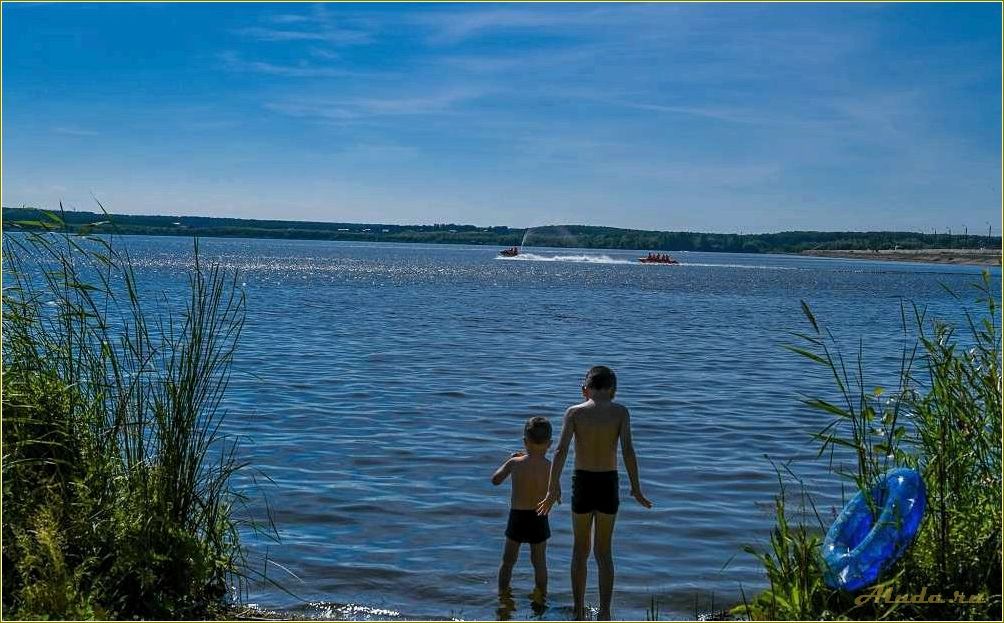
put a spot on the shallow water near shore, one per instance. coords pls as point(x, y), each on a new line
point(378, 387)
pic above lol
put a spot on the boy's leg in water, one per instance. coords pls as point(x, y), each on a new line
point(582, 526)
point(509, 557)
point(603, 552)
point(538, 556)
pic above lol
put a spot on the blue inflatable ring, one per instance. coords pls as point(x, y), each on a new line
point(858, 548)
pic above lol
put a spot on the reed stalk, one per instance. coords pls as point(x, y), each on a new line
point(943, 419)
point(118, 494)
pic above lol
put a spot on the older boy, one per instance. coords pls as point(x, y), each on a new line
point(596, 425)
point(530, 472)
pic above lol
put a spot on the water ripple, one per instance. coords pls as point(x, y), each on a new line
point(380, 385)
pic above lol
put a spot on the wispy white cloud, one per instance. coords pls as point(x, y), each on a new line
point(457, 26)
point(318, 26)
point(519, 62)
point(378, 152)
point(342, 109)
point(73, 131)
point(722, 175)
point(329, 35)
point(717, 113)
point(325, 54)
point(626, 161)
point(288, 18)
point(232, 61)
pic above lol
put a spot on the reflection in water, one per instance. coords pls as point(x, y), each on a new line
point(538, 605)
point(507, 605)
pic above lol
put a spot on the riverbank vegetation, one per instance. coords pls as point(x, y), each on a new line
point(565, 236)
point(944, 420)
point(118, 495)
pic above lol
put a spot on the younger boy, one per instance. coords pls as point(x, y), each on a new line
point(597, 425)
point(530, 471)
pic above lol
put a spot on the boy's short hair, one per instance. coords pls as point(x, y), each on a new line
point(600, 378)
point(537, 430)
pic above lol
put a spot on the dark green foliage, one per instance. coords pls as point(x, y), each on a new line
point(581, 236)
point(117, 497)
point(944, 419)
point(793, 567)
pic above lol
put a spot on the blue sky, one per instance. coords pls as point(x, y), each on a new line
point(712, 117)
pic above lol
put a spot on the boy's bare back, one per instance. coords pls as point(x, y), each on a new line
point(530, 473)
point(596, 428)
point(530, 476)
point(596, 425)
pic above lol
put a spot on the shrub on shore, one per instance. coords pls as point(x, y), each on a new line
point(945, 421)
point(117, 494)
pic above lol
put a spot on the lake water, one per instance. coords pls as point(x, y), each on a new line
point(379, 386)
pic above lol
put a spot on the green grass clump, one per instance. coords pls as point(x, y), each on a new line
point(117, 495)
point(944, 420)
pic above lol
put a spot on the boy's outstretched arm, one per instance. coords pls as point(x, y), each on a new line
point(631, 460)
point(502, 472)
point(558, 464)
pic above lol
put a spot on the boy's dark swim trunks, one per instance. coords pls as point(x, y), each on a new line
point(595, 491)
point(526, 526)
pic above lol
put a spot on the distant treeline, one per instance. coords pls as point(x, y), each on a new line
point(584, 236)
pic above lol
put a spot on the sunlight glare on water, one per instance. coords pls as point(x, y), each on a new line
point(379, 386)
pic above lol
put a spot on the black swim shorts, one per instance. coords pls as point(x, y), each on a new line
point(526, 526)
point(595, 491)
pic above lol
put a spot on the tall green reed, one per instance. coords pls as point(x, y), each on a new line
point(118, 498)
point(944, 419)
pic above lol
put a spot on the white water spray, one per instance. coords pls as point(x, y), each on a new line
point(588, 259)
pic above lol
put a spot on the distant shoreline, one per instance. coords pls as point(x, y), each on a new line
point(939, 248)
point(972, 257)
